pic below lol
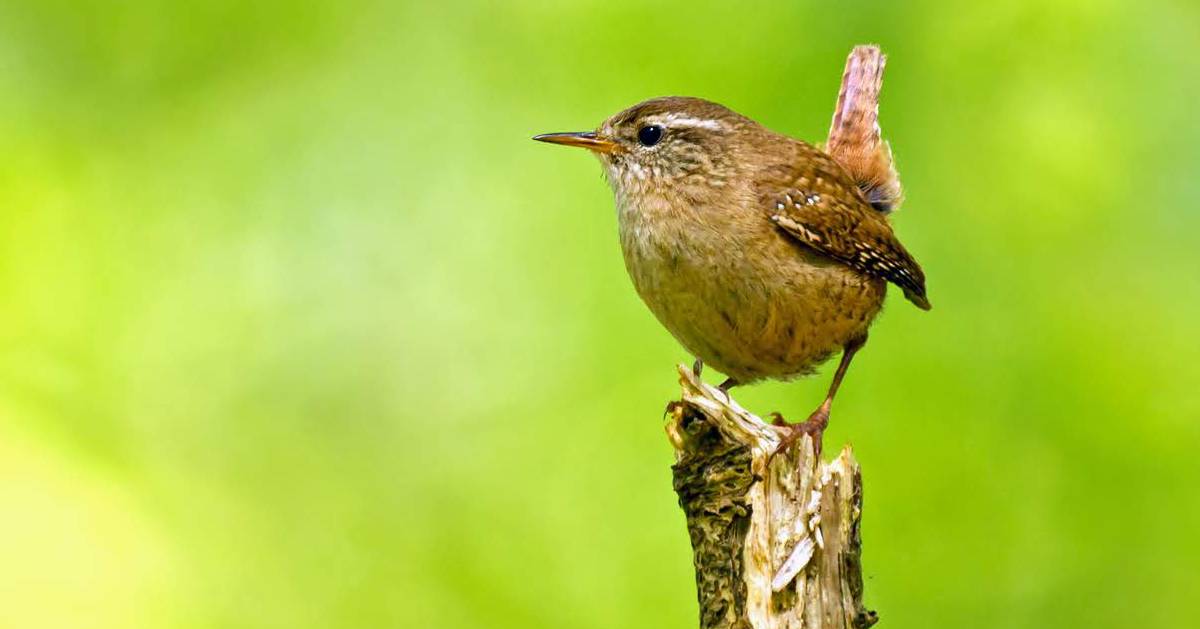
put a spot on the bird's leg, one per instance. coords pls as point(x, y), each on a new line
point(819, 419)
point(697, 367)
point(725, 386)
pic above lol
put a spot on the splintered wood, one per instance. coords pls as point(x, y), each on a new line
point(775, 540)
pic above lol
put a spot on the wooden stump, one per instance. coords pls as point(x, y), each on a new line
point(775, 545)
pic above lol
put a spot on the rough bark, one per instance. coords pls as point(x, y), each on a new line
point(775, 540)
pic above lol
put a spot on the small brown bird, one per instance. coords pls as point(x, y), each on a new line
point(762, 254)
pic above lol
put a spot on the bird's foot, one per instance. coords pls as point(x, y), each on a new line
point(814, 426)
point(697, 367)
point(725, 386)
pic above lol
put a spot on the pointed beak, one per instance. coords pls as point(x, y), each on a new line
point(585, 139)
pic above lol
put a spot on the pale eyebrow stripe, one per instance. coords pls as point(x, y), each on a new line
point(684, 121)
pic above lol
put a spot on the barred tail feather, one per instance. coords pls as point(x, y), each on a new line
point(855, 140)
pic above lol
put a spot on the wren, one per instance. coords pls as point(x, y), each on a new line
point(763, 255)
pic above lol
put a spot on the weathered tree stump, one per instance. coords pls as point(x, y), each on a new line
point(776, 542)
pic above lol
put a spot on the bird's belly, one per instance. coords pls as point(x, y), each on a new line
point(773, 311)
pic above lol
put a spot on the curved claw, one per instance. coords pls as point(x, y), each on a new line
point(814, 426)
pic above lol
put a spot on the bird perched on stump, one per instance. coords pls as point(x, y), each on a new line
point(762, 254)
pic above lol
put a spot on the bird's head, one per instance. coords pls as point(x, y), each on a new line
point(673, 145)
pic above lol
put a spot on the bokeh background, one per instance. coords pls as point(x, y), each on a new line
point(299, 329)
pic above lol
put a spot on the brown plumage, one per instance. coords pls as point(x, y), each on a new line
point(762, 254)
point(816, 203)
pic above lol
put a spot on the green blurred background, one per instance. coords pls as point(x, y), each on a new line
point(299, 329)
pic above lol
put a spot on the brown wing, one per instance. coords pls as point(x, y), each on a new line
point(822, 208)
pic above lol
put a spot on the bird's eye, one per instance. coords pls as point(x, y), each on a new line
point(650, 135)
